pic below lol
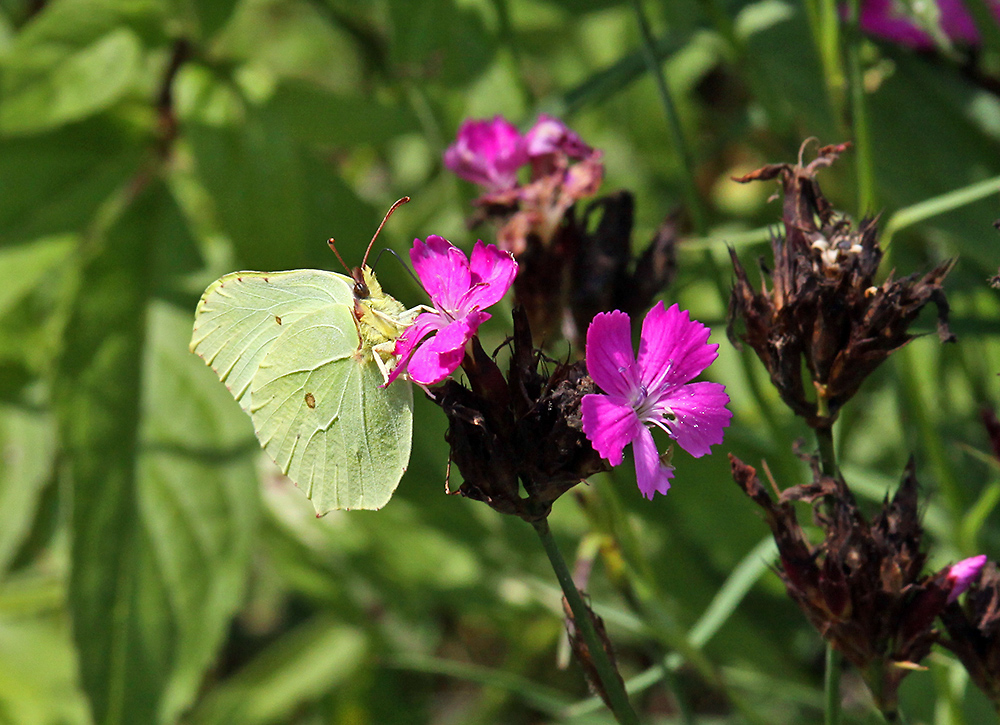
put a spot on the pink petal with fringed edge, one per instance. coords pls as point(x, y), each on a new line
point(673, 348)
point(701, 416)
point(492, 273)
point(610, 361)
point(443, 270)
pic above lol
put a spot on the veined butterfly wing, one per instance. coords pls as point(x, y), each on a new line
point(288, 348)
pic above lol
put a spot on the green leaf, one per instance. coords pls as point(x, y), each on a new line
point(37, 674)
point(164, 495)
point(27, 444)
point(25, 265)
point(252, 172)
point(437, 39)
point(42, 92)
point(54, 183)
point(78, 23)
point(29, 310)
point(341, 120)
point(310, 660)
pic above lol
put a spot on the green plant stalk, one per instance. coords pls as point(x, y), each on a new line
point(629, 570)
point(698, 216)
point(831, 686)
point(644, 597)
point(610, 679)
point(928, 208)
point(827, 455)
point(831, 680)
point(931, 443)
point(825, 27)
point(859, 115)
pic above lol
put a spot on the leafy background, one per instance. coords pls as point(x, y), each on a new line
point(153, 566)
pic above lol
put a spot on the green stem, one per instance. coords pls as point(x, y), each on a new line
point(610, 679)
point(831, 709)
point(827, 456)
point(831, 682)
point(698, 217)
point(859, 117)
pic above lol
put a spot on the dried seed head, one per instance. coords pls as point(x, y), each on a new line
point(823, 307)
point(862, 587)
point(524, 431)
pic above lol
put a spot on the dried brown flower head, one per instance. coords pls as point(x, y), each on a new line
point(572, 267)
point(862, 587)
point(823, 307)
point(519, 433)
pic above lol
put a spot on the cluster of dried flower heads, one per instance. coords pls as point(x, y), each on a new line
point(821, 325)
point(863, 587)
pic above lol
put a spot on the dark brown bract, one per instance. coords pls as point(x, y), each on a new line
point(823, 307)
point(862, 587)
point(572, 266)
point(519, 433)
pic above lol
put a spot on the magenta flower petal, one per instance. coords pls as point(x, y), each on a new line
point(651, 475)
point(610, 425)
point(459, 290)
point(549, 135)
point(492, 274)
point(962, 574)
point(673, 348)
point(438, 358)
point(488, 153)
point(406, 344)
point(701, 416)
point(652, 390)
point(887, 19)
point(442, 268)
point(610, 361)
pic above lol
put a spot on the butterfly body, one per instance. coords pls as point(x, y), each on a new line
point(306, 354)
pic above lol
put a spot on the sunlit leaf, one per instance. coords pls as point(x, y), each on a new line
point(163, 491)
point(38, 97)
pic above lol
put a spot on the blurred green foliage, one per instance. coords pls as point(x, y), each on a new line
point(153, 565)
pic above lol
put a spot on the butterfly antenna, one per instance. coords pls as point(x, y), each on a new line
point(384, 220)
point(332, 243)
point(402, 263)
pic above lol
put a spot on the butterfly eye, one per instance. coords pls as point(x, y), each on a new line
point(361, 291)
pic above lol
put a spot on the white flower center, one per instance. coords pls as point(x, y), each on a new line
point(652, 410)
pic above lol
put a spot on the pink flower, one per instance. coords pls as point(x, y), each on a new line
point(487, 153)
point(653, 390)
point(549, 135)
point(460, 290)
point(961, 575)
point(893, 20)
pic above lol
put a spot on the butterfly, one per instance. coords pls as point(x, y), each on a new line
point(307, 354)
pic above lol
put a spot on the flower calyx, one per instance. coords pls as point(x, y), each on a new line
point(519, 433)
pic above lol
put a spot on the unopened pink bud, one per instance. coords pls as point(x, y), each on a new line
point(961, 575)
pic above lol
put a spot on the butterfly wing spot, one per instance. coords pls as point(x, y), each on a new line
point(310, 400)
point(277, 319)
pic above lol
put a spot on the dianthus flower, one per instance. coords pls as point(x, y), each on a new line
point(897, 22)
point(488, 153)
point(549, 135)
point(460, 289)
point(652, 390)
